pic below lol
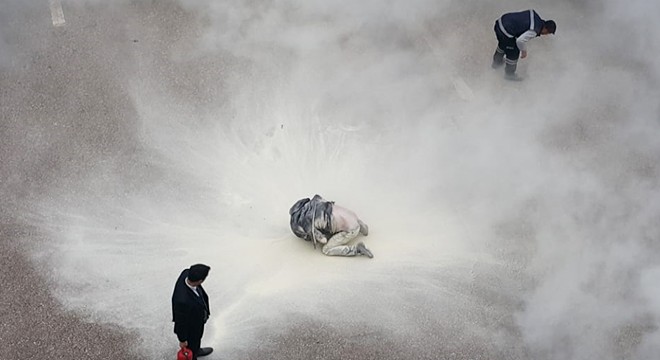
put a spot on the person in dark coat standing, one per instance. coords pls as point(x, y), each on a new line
point(513, 30)
point(190, 309)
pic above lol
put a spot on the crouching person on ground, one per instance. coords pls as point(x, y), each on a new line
point(321, 221)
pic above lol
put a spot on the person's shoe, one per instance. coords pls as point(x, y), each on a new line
point(204, 351)
point(497, 62)
point(362, 250)
point(512, 77)
point(510, 72)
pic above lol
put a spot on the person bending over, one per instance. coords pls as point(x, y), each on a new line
point(321, 221)
point(513, 30)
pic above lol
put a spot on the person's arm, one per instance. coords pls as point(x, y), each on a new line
point(318, 236)
point(206, 301)
point(181, 318)
point(321, 223)
point(205, 297)
point(522, 40)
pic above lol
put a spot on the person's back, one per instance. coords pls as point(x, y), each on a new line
point(343, 219)
point(517, 23)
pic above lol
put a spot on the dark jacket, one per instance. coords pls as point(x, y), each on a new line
point(189, 311)
point(518, 23)
point(311, 218)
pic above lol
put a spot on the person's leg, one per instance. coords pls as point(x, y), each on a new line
point(512, 54)
point(194, 345)
point(202, 351)
point(364, 229)
point(336, 246)
point(498, 56)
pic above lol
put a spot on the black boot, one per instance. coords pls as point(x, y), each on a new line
point(498, 58)
point(510, 72)
point(204, 351)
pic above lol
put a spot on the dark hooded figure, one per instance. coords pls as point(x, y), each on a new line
point(513, 30)
point(190, 309)
point(321, 221)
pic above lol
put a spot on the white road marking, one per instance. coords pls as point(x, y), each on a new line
point(461, 87)
point(349, 128)
point(463, 90)
point(57, 13)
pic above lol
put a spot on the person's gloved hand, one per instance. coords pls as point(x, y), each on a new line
point(362, 250)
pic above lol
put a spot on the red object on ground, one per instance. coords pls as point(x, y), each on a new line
point(184, 354)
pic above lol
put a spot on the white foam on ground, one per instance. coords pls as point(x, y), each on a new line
point(552, 193)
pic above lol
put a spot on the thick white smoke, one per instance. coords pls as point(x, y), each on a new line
point(492, 205)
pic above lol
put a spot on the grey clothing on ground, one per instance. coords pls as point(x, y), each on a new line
point(312, 219)
point(336, 246)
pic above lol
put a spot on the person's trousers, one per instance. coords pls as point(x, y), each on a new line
point(336, 246)
point(506, 47)
point(195, 341)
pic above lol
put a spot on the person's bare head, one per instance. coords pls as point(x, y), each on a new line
point(549, 27)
